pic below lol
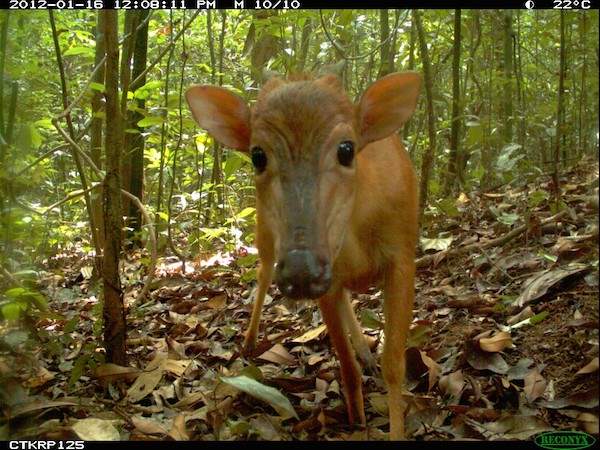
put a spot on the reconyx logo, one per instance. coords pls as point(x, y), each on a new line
point(564, 440)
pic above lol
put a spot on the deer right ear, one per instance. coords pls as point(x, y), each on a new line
point(223, 114)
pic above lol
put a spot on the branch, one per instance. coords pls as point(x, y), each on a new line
point(153, 252)
point(134, 84)
point(342, 51)
point(71, 196)
point(426, 260)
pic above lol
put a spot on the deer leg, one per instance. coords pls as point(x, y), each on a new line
point(265, 276)
point(357, 337)
point(332, 310)
point(398, 303)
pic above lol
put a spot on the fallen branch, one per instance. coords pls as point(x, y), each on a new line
point(426, 260)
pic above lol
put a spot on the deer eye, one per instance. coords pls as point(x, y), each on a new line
point(259, 159)
point(345, 153)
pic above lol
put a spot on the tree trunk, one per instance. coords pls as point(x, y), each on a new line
point(411, 66)
point(454, 173)
point(560, 110)
point(384, 42)
point(428, 157)
point(583, 91)
point(76, 157)
point(3, 40)
point(134, 142)
point(304, 41)
point(508, 74)
point(131, 18)
point(115, 326)
point(96, 130)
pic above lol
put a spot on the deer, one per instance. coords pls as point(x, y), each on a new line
point(336, 208)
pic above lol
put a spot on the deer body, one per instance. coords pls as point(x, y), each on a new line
point(337, 208)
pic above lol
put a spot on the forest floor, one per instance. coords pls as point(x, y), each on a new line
point(504, 344)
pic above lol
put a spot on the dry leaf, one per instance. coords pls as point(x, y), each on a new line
point(109, 372)
point(434, 369)
point(96, 430)
point(537, 285)
point(278, 354)
point(535, 385)
point(496, 343)
point(310, 335)
point(148, 379)
point(217, 302)
point(178, 431)
point(452, 385)
point(481, 360)
point(147, 426)
point(591, 367)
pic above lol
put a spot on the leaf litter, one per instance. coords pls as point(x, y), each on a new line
point(504, 343)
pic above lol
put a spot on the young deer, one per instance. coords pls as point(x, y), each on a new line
point(336, 207)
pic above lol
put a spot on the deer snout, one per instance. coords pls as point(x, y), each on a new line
point(302, 274)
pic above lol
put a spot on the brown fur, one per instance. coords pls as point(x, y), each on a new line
point(361, 218)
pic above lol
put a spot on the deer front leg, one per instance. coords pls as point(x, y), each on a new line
point(398, 303)
point(265, 276)
point(332, 310)
point(359, 342)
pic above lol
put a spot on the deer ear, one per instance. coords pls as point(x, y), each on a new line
point(222, 113)
point(387, 104)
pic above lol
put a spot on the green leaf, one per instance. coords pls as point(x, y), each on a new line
point(150, 121)
point(12, 310)
point(245, 212)
point(35, 137)
point(15, 292)
point(537, 197)
point(264, 393)
point(508, 218)
point(80, 50)
point(474, 134)
point(369, 319)
point(538, 317)
point(448, 207)
point(96, 86)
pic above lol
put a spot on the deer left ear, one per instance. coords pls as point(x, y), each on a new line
point(387, 104)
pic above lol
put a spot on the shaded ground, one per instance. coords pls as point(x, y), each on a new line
point(504, 344)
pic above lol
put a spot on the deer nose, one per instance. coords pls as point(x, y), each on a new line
point(302, 274)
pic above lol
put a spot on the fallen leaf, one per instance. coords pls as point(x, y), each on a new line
point(539, 284)
point(264, 427)
point(311, 335)
point(452, 385)
point(519, 370)
point(217, 302)
point(42, 376)
point(278, 354)
point(265, 393)
point(109, 372)
point(496, 343)
point(535, 385)
point(148, 379)
point(147, 425)
point(92, 429)
point(587, 399)
point(589, 422)
point(515, 427)
point(481, 360)
point(591, 367)
point(434, 369)
point(178, 431)
point(37, 405)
